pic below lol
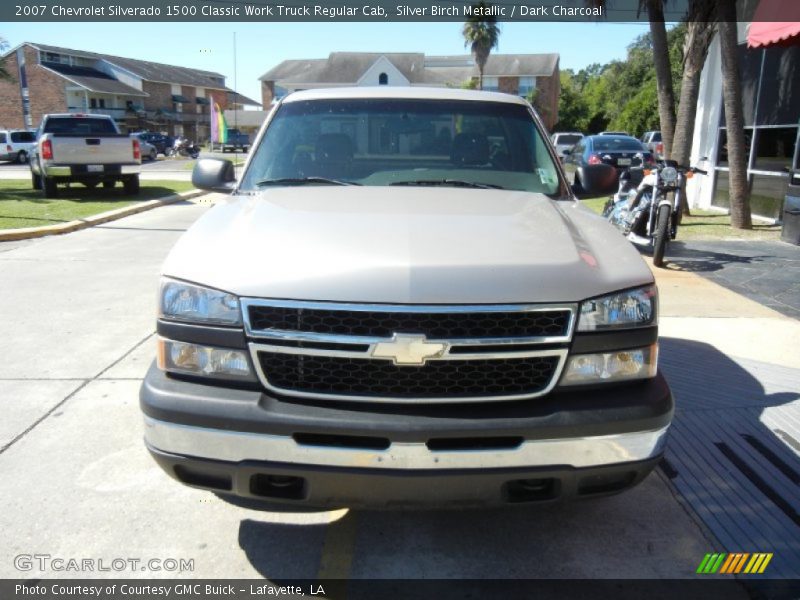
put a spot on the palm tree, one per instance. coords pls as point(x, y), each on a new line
point(481, 33)
point(700, 28)
point(734, 115)
point(661, 62)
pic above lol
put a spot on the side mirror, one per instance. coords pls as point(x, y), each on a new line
point(214, 175)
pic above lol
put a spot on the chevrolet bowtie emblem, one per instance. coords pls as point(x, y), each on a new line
point(408, 349)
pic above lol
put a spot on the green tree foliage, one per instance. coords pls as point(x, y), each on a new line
point(620, 95)
point(4, 74)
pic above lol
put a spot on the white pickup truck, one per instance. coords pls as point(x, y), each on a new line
point(83, 148)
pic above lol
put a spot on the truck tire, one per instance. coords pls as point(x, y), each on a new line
point(662, 234)
point(131, 185)
point(22, 157)
point(49, 187)
point(36, 183)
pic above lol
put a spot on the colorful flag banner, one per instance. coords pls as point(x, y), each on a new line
point(219, 127)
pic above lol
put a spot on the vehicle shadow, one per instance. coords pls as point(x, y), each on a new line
point(682, 257)
point(729, 469)
point(734, 449)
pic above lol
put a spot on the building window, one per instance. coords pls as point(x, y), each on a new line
point(771, 134)
point(491, 84)
point(383, 79)
point(526, 85)
point(775, 148)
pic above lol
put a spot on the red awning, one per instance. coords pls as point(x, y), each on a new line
point(772, 24)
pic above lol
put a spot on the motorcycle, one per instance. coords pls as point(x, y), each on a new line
point(183, 147)
point(647, 206)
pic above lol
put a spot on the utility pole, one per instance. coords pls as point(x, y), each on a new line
point(235, 95)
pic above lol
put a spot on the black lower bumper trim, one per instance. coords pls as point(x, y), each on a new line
point(337, 487)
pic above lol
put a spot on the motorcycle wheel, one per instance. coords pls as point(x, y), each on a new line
point(662, 234)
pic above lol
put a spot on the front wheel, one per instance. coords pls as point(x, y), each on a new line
point(662, 234)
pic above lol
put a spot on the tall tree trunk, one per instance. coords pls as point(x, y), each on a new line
point(734, 116)
point(699, 33)
point(661, 61)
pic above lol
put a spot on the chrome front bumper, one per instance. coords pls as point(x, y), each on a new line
point(234, 447)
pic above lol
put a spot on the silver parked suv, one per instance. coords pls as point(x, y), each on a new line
point(403, 303)
point(16, 145)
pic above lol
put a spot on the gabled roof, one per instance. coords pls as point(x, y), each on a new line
point(513, 65)
point(93, 80)
point(499, 65)
point(237, 98)
point(345, 67)
point(348, 67)
point(149, 71)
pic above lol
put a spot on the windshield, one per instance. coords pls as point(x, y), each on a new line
point(378, 142)
point(568, 139)
point(79, 125)
point(612, 144)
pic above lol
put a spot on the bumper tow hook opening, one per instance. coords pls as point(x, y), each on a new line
point(278, 486)
point(531, 490)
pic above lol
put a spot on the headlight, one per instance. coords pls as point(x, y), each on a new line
point(620, 365)
point(668, 175)
point(207, 361)
point(186, 302)
point(631, 308)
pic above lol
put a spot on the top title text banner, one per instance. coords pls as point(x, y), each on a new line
point(355, 10)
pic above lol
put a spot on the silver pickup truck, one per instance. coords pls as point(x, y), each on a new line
point(403, 303)
point(86, 149)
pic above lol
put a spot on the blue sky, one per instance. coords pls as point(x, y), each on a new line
point(260, 46)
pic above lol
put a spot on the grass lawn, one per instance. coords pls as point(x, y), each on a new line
point(22, 206)
point(708, 225)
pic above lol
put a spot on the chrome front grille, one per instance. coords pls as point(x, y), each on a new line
point(500, 323)
point(408, 353)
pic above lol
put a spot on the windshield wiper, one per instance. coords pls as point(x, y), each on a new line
point(453, 182)
point(303, 181)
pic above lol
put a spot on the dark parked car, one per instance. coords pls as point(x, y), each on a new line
point(160, 141)
point(598, 159)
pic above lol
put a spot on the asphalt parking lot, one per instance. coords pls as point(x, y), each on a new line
point(78, 317)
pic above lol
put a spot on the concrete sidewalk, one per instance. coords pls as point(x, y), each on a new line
point(693, 307)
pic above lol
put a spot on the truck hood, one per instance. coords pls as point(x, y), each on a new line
point(418, 245)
